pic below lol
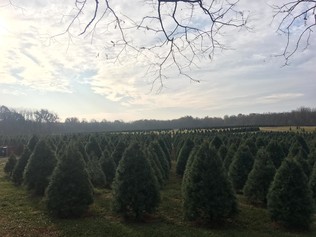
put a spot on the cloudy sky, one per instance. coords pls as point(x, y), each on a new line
point(45, 66)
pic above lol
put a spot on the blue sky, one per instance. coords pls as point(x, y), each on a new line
point(72, 76)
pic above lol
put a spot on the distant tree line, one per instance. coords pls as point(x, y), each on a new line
point(14, 122)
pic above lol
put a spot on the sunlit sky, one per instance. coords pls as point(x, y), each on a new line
point(70, 75)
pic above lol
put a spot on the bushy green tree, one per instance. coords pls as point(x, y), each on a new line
point(108, 167)
point(96, 174)
point(70, 192)
point(39, 168)
point(208, 195)
point(156, 166)
point(135, 188)
point(93, 147)
point(289, 199)
point(184, 156)
point(155, 147)
point(240, 167)
point(17, 175)
point(276, 153)
point(230, 156)
point(312, 185)
point(216, 142)
point(118, 152)
point(9, 165)
point(32, 142)
point(260, 178)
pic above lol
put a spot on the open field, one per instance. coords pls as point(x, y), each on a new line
point(23, 215)
point(289, 129)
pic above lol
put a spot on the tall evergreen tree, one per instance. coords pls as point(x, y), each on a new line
point(10, 164)
point(17, 175)
point(108, 167)
point(118, 152)
point(276, 153)
point(240, 167)
point(184, 156)
point(39, 168)
point(312, 185)
point(93, 147)
point(216, 142)
point(135, 188)
point(70, 192)
point(96, 174)
point(260, 178)
point(289, 199)
point(230, 156)
point(207, 192)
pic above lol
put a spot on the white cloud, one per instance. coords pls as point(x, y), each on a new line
point(248, 76)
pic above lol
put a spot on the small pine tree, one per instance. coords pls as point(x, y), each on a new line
point(135, 188)
point(216, 142)
point(70, 192)
point(108, 167)
point(289, 199)
point(93, 147)
point(17, 175)
point(230, 156)
point(9, 165)
point(39, 168)
point(240, 167)
point(118, 152)
point(276, 153)
point(184, 156)
point(259, 178)
point(96, 174)
point(312, 184)
point(207, 192)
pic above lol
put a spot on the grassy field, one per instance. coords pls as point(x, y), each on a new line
point(289, 129)
point(23, 215)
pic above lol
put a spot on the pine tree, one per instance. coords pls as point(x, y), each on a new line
point(9, 165)
point(184, 156)
point(230, 156)
point(96, 174)
point(17, 175)
point(93, 147)
point(260, 178)
point(39, 168)
point(70, 192)
point(135, 188)
point(118, 152)
point(108, 167)
point(216, 142)
point(207, 192)
point(276, 153)
point(240, 167)
point(312, 185)
point(289, 199)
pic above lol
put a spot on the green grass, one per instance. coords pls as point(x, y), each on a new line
point(23, 215)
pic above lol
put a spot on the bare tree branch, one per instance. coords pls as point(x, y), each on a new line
point(297, 21)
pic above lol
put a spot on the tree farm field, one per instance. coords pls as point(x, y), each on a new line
point(289, 129)
point(22, 214)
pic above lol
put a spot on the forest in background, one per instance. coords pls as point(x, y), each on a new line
point(27, 122)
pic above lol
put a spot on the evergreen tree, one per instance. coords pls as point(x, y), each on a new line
point(289, 199)
point(10, 164)
point(96, 174)
point(260, 178)
point(17, 175)
point(240, 167)
point(39, 168)
point(118, 152)
point(230, 156)
point(156, 166)
point(155, 147)
point(312, 185)
point(93, 147)
point(222, 152)
point(32, 142)
point(184, 156)
point(70, 192)
point(276, 153)
point(216, 142)
point(207, 192)
point(108, 167)
point(135, 188)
